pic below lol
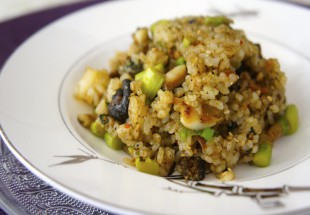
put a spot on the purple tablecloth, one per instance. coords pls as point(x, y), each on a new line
point(15, 31)
point(12, 33)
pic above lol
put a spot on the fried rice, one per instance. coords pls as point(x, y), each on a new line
point(206, 75)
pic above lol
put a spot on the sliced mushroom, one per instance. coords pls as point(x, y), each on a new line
point(118, 108)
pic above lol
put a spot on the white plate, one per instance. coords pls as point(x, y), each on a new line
point(38, 112)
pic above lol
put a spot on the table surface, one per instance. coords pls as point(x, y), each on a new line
point(23, 193)
point(20, 191)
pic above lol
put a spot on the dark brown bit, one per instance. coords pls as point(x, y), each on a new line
point(192, 168)
point(259, 50)
point(132, 66)
point(224, 128)
point(118, 108)
point(275, 132)
point(202, 142)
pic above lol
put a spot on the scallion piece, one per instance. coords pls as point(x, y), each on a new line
point(183, 133)
point(113, 142)
point(160, 22)
point(217, 20)
point(291, 115)
point(180, 61)
point(139, 75)
point(285, 127)
point(97, 129)
point(152, 81)
point(289, 120)
point(186, 42)
point(207, 133)
point(147, 166)
point(186, 133)
point(262, 157)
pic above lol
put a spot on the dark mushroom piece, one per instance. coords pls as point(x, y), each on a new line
point(192, 168)
point(118, 108)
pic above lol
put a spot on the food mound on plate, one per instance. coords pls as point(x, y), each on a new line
point(190, 96)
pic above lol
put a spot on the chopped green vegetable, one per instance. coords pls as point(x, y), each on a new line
point(207, 133)
point(131, 150)
point(152, 81)
point(291, 115)
point(285, 127)
point(186, 42)
point(160, 67)
point(113, 142)
point(262, 157)
point(97, 129)
point(147, 166)
point(217, 20)
point(160, 22)
point(287, 124)
point(139, 75)
point(184, 133)
point(180, 61)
